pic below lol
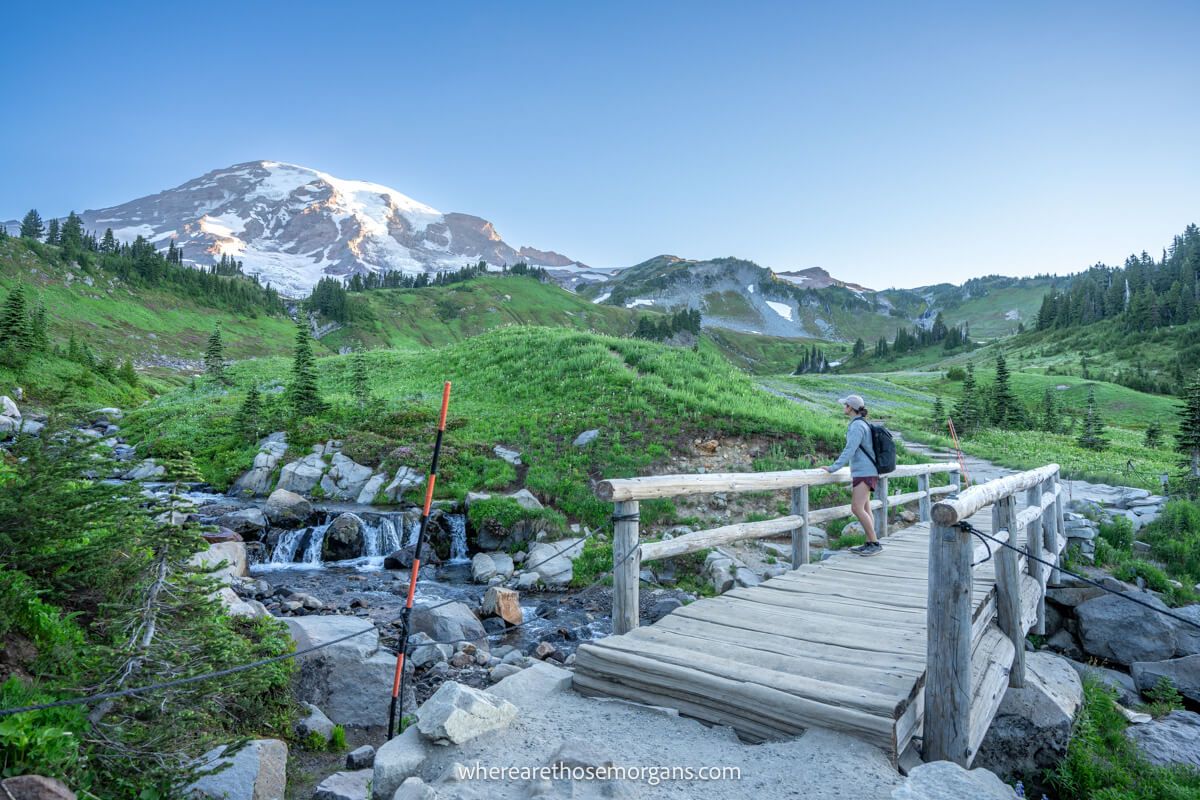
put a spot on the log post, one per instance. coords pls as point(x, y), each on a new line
point(800, 535)
point(628, 567)
point(923, 486)
point(1008, 587)
point(881, 513)
point(948, 646)
point(1033, 544)
point(956, 481)
point(1060, 531)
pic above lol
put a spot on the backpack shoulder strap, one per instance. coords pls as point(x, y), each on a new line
point(870, 454)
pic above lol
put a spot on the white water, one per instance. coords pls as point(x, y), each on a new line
point(458, 538)
point(380, 539)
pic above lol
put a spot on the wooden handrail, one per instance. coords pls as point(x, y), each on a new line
point(624, 489)
point(954, 510)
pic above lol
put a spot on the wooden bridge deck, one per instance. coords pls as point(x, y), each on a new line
point(838, 644)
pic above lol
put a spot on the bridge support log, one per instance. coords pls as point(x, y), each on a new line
point(948, 647)
point(925, 502)
point(881, 514)
point(1060, 530)
point(628, 566)
point(1008, 588)
point(800, 535)
point(1033, 544)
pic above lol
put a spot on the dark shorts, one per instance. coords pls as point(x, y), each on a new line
point(871, 482)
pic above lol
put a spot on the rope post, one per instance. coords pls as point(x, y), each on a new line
point(924, 502)
point(800, 535)
point(627, 566)
point(1033, 543)
point(1008, 586)
point(881, 513)
point(948, 646)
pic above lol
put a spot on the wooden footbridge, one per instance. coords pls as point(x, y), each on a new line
point(914, 647)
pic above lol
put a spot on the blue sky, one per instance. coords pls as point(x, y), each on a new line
point(891, 143)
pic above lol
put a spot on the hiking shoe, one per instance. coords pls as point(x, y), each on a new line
point(868, 549)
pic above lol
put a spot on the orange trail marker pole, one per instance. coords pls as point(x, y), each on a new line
point(962, 462)
point(398, 680)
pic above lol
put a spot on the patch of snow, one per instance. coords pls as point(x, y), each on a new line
point(602, 297)
point(782, 309)
point(639, 302)
point(1015, 314)
point(750, 288)
point(132, 232)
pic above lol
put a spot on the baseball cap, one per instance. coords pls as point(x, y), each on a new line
point(854, 401)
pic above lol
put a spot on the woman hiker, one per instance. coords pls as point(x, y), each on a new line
point(860, 453)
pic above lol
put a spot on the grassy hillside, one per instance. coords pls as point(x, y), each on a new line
point(534, 389)
point(768, 355)
point(905, 400)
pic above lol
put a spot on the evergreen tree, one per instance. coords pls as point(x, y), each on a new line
point(39, 336)
point(860, 348)
point(1187, 441)
point(31, 225)
point(72, 234)
point(303, 393)
point(1092, 437)
point(968, 413)
point(109, 243)
point(16, 334)
point(1154, 435)
point(214, 356)
point(52, 232)
point(127, 373)
point(360, 380)
point(3, 233)
point(249, 419)
point(937, 420)
point(1006, 412)
point(1050, 418)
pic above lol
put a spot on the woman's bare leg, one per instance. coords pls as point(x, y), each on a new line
point(860, 504)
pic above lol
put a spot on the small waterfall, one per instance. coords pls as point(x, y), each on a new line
point(312, 553)
point(388, 538)
point(412, 527)
point(285, 548)
point(458, 538)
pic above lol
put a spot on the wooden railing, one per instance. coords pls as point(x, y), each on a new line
point(628, 553)
point(974, 655)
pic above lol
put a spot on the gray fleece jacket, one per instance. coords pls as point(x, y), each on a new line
point(858, 444)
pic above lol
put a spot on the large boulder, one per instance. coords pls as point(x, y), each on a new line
point(945, 780)
point(1112, 628)
point(371, 488)
point(453, 621)
point(257, 771)
point(343, 538)
point(302, 475)
point(345, 479)
point(248, 522)
point(148, 470)
point(1183, 673)
point(457, 714)
point(552, 560)
point(8, 408)
point(232, 553)
point(398, 759)
point(257, 480)
point(502, 603)
point(287, 509)
point(316, 722)
point(485, 566)
point(345, 680)
point(403, 558)
point(406, 478)
point(1187, 637)
point(526, 500)
point(1120, 682)
point(346, 785)
point(35, 787)
point(1032, 727)
point(720, 570)
point(1173, 739)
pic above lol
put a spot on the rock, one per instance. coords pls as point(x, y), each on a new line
point(8, 408)
point(343, 539)
point(232, 553)
point(106, 414)
point(475, 497)
point(484, 566)
point(371, 489)
point(1187, 637)
point(457, 714)
point(552, 560)
point(452, 621)
point(544, 650)
point(1115, 629)
point(145, 471)
point(397, 759)
point(34, 787)
point(426, 651)
point(237, 607)
point(406, 478)
point(533, 683)
point(1072, 596)
point(302, 475)
point(247, 522)
point(945, 780)
point(222, 535)
point(505, 454)
point(257, 771)
point(345, 479)
point(526, 580)
point(745, 577)
point(720, 570)
point(586, 438)
point(1173, 739)
point(344, 786)
point(344, 679)
point(1032, 727)
point(1065, 644)
point(287, 509)
point(403, 558)
point(662, 607)
point(526, 500)
point(1119, 682)
point(361, 758)
point(415, 789)
point(503, 603)
point(315, 722)
point(502, 671)
point(257, 480)
point(1184, 674)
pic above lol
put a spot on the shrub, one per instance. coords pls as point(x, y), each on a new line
point(1118, 534)
point(956, 374)
point(499, 516)
point(1174, 539)
point(337, 742)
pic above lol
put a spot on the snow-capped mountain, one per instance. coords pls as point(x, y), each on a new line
point(293, 225)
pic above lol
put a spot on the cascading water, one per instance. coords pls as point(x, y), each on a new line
point(383, 535)
point(312, 553)
point(285, 548)
point(458, 538)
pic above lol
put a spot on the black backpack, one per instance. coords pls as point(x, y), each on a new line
point(885, 449)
